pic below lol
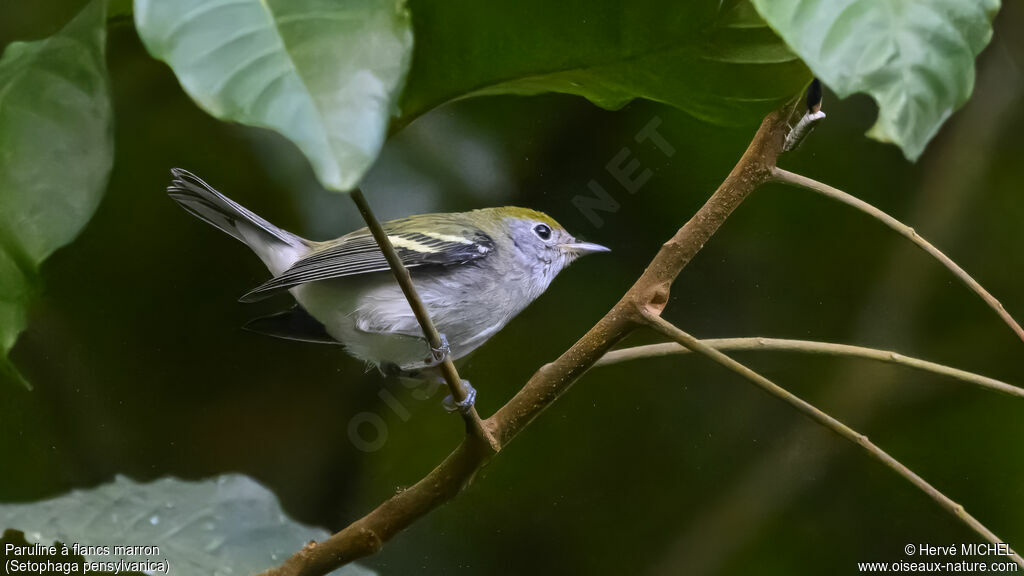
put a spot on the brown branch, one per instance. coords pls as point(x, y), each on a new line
point(474, 425)
point(785, 177)
point(810, 347)
point(641, 305)
point(661, 325)
point(648, 295)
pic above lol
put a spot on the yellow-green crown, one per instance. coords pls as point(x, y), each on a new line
point(527, 214)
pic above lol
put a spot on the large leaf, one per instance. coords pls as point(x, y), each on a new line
point(325, 74)
point(914, 57)
point(56, 152)
point(222, 526)
point(716, 60)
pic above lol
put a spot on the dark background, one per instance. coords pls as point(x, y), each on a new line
point(661, 467)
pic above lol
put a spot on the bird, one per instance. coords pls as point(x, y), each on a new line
point(474, 272)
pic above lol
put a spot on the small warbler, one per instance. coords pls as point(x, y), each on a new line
point(474, 272)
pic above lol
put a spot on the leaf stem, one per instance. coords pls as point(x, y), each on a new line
point(810, 347)
point(786, 177)
point(671, 331)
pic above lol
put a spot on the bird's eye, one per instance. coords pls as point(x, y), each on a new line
point(543, 231)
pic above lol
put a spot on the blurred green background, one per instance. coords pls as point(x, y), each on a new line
point(665, 467)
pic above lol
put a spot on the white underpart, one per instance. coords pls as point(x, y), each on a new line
point(486, 333)
point(371, 317)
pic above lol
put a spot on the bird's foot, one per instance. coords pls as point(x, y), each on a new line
point(465, 404)
point(439, 354)
point(390, 369)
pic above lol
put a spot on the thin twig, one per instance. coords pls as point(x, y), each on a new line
point(640, 305)
point(810, 347)
point(474, 425)
point(671, 331)
point(785, 177)
point(755, 497)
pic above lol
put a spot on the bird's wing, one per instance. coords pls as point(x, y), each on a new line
point(294, 324)
point(357, 253)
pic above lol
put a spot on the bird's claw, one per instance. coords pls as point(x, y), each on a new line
point(440, 353)
point(451, 405)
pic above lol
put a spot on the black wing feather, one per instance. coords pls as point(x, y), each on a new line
point(357, 253)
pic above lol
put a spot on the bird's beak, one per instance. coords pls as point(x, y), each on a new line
point(583, 248)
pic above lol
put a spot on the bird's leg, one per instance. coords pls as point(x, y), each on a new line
point(431, 375)
point(439, 355)
point(390, 369)
point(422, 386)
point(451, 405)
point(416, 382)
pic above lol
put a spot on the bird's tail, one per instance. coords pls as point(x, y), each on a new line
point(278, 248)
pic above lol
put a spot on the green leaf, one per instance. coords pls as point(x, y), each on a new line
point(715, 60)
point(914, 57)
point(118, 8)
point(56, 152)
point(229, 525)
point(324, 74)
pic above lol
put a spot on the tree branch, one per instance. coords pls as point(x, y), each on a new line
point(809, 347)
point(785, 177)
point(640, 306)
point(474, 425)
point(663, 326)
point(648, 295)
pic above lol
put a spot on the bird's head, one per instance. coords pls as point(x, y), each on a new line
point(539, 244)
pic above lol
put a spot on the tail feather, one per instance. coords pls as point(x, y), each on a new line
point(268, 241)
